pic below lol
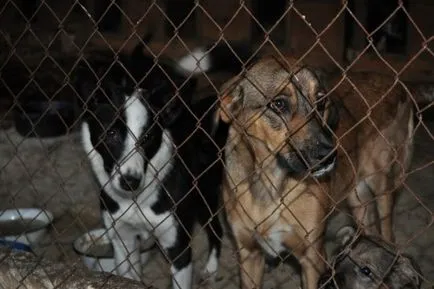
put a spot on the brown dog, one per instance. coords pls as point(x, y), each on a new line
point(296, 149)
point(367, 262)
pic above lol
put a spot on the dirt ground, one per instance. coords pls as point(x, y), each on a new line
point(54, 174)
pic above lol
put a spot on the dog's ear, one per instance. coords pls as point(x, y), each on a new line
point(407, 272)
point(101, 79)
point(145, 39)
point(141, 62)
point(345, 235)
point(321, 74)
point(332, 106)
point(231, 100)
point(167, 104)
point(84, 81)
point(137, 52)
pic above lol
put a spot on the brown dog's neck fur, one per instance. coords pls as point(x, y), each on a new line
point(267, 181)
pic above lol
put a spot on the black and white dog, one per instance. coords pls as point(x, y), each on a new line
point(156, 155)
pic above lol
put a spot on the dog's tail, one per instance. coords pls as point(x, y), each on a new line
point(223, 57)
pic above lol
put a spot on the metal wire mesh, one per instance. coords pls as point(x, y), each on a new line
point(43, 165)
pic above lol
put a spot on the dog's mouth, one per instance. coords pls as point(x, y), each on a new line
point(294, 165)
point(325, 167)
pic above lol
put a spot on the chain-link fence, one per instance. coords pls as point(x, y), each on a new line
point(107, 149)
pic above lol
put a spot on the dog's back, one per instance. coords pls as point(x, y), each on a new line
point(374, 139)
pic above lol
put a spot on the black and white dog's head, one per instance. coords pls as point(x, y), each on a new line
point(129, 107)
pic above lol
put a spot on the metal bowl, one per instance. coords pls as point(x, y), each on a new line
point(96, 250)
point(24, 225)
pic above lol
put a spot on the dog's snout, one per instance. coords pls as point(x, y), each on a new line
point(325, 141)
point(324, 152)
point(324, 147)
point(322, 156)
point(129, 182)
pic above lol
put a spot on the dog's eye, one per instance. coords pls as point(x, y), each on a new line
point(146, 138)
point(320, 105)
point(366, 271)
point(279, 106)
point(321, 101)
point(111, 133)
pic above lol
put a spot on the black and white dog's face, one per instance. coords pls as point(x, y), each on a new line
point(125, 142)
point(121, 142)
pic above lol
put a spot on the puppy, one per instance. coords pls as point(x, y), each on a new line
point(156, 157)
point(367, 262)
point(297, 147)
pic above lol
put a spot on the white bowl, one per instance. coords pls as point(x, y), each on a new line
point(100, 257)
point(25, 225)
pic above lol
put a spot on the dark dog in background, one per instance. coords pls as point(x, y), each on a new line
point(155, 155)
point(368, 262)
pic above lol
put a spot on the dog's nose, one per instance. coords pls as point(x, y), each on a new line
point(324, 146)
point(323, 152)
point(325, 141)
point(130, 183)
point(326, 154)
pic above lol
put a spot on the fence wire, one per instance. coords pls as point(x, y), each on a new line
point(65, 63)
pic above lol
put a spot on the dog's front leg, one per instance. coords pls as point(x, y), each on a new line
point(175, 240)
point(180, 256)
point(312, 264)
point(310, 252)
point(310, 274)
point(126, 246)
point(127, 256)
point(252, 263)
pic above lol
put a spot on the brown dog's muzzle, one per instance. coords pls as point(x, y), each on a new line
point(316, 155)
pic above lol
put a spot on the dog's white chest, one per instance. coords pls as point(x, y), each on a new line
point(142, 220)
point(272, 243)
